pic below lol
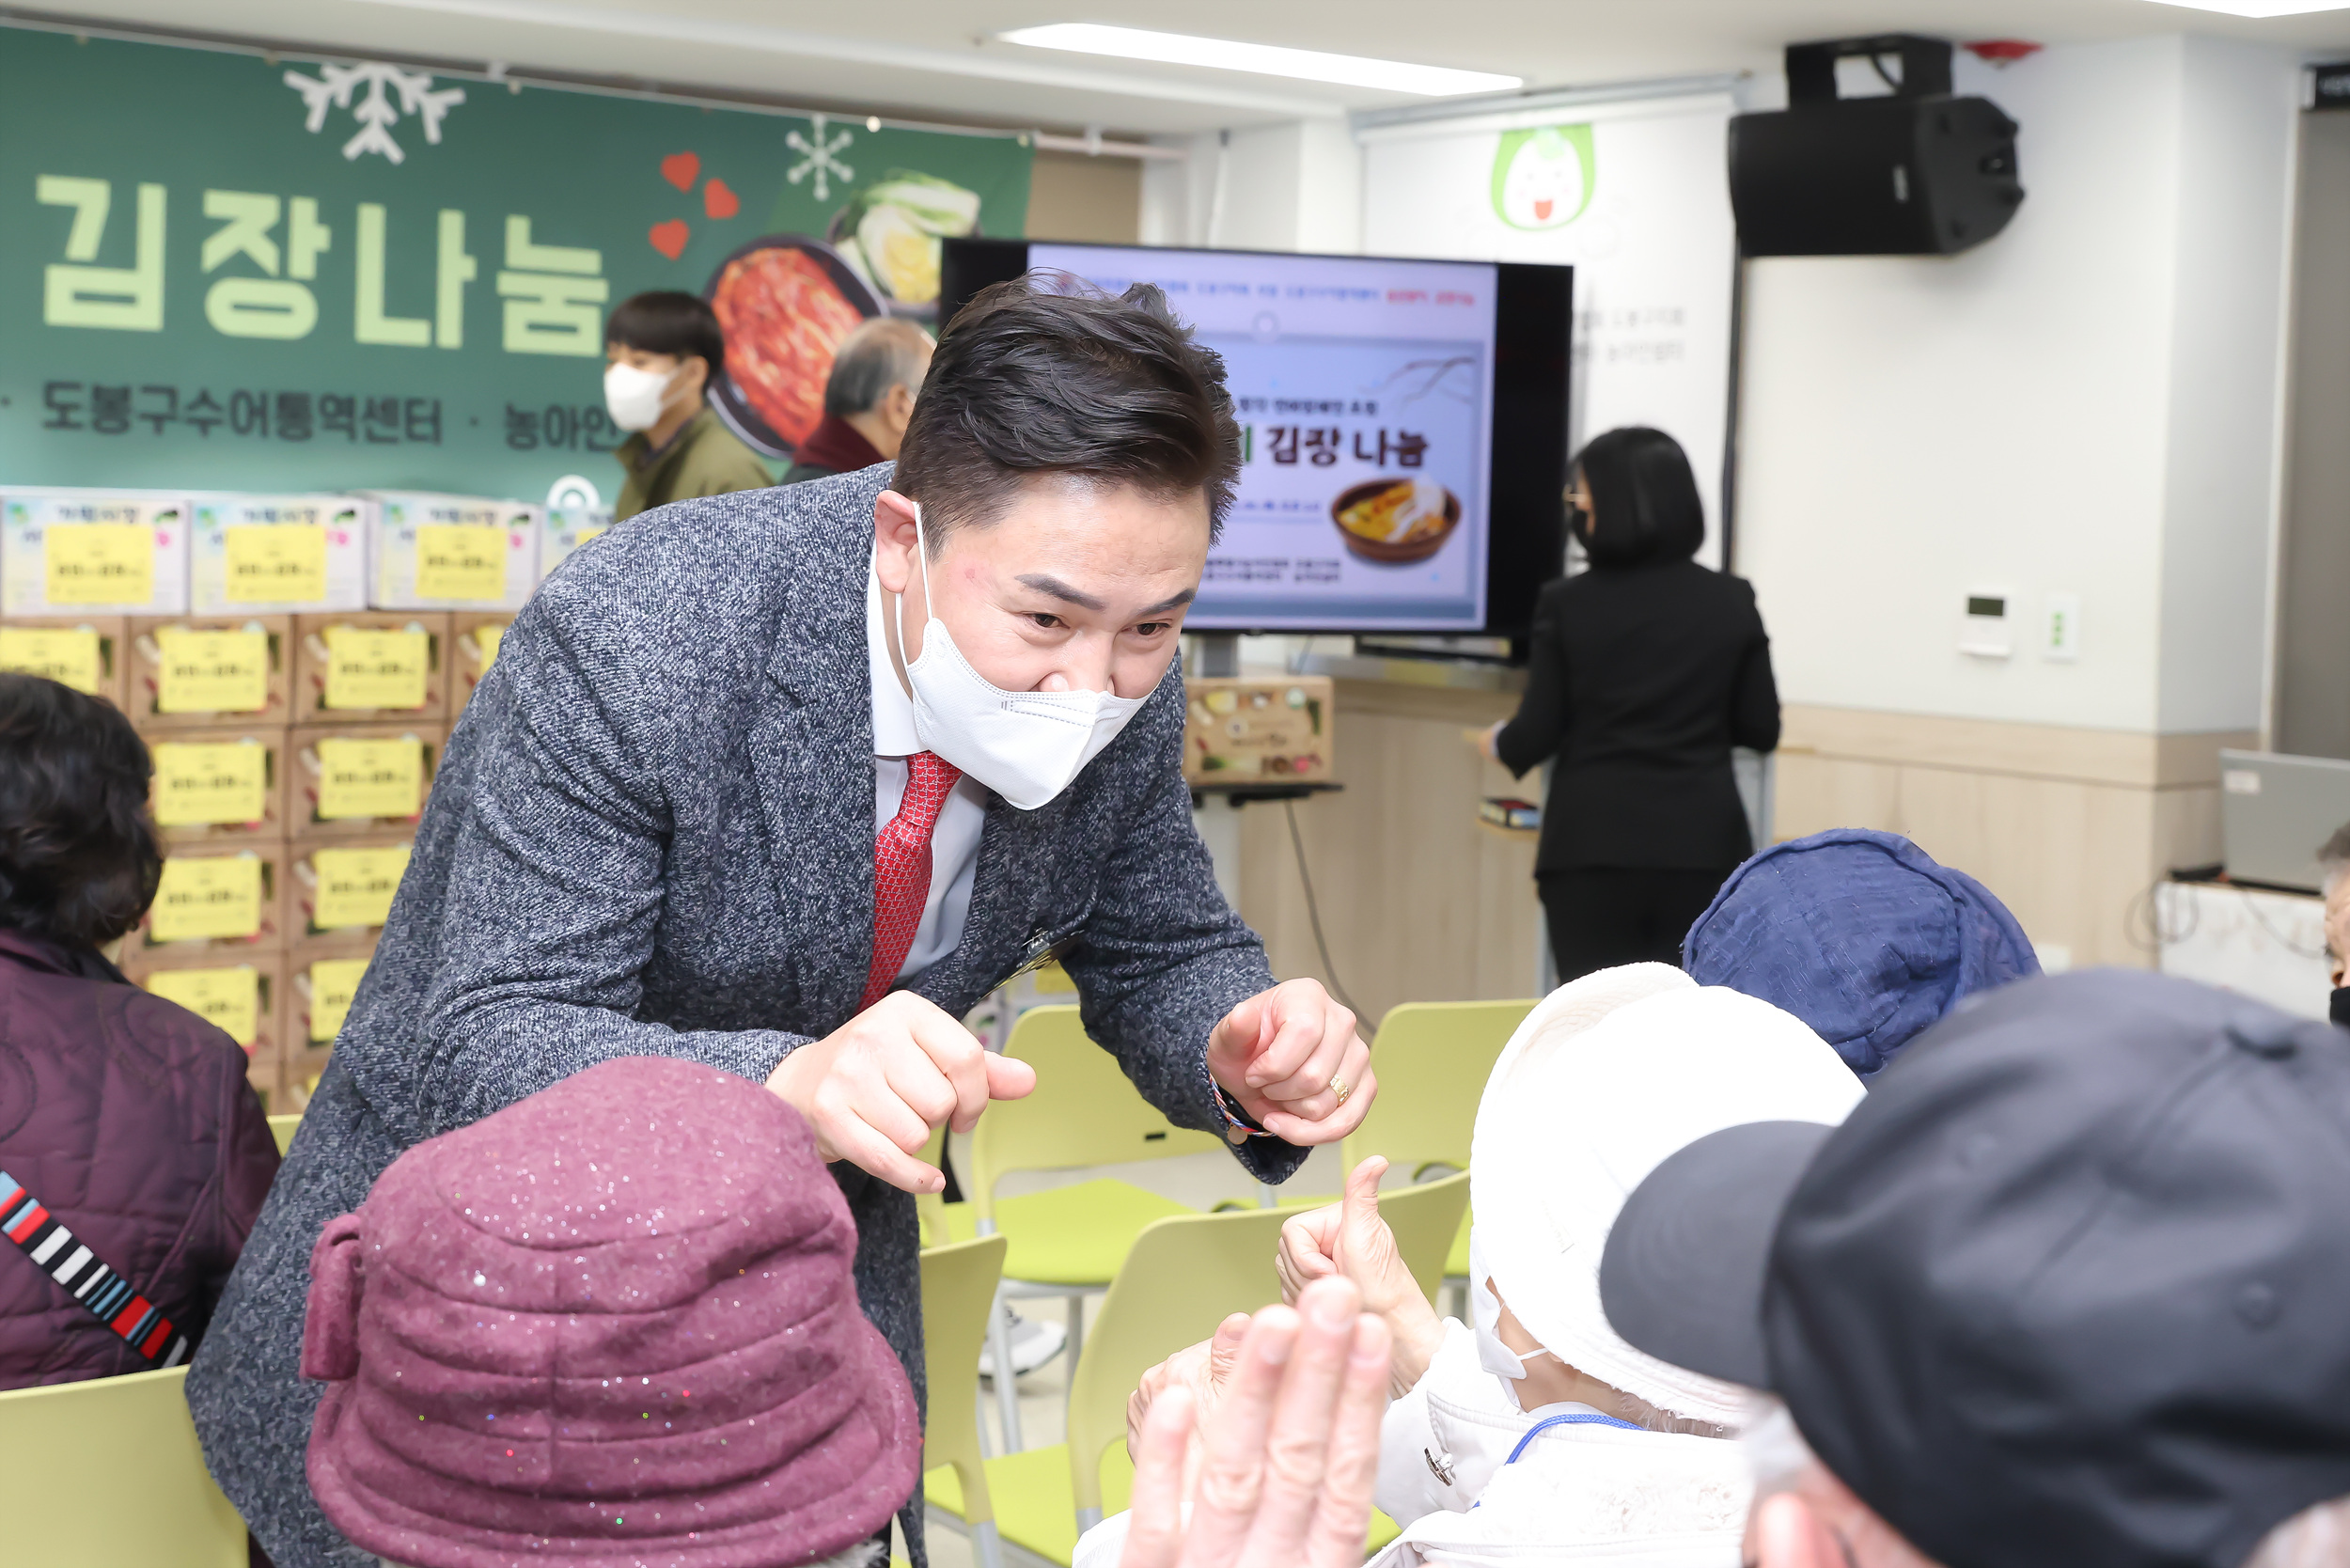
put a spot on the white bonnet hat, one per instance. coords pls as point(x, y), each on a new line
point(1608, 1076)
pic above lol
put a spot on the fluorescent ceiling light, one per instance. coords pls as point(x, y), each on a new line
point(2260, 8)
point(1264, 59)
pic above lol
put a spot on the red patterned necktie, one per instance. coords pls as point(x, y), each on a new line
point(902, 868)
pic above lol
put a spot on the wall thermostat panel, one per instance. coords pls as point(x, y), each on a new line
point(1987, 630)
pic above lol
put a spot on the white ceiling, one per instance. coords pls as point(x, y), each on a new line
point(931, 58)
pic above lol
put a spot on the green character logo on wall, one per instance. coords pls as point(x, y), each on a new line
point(1543, 177)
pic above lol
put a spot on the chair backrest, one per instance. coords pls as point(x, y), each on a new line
point(929, 1208)
point(1083, 1111)
point(1186, 1275)
point(958, 1294)
point(1432, 1060)
point(282, 1129)
point(1425, 1218)
point(109, 1470)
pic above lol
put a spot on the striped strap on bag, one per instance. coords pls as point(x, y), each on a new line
point(107, 1295)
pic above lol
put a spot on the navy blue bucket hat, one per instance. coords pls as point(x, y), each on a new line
point(1860, 934)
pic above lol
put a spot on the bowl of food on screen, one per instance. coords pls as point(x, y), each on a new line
point(1396, 522)
point(784, 301)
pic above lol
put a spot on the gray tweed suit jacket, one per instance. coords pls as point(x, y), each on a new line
point(652, 835)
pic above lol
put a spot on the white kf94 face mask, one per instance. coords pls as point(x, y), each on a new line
point(1027, 747)
point(633, 397)
point(1485, 1310)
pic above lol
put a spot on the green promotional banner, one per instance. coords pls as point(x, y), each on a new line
point(228, 271)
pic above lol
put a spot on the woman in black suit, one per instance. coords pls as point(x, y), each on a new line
point(1645, 671)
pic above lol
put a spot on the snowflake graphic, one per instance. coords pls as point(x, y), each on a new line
point(819, 157)
point(334, 85)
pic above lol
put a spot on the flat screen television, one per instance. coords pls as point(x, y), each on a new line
point(1403, 427)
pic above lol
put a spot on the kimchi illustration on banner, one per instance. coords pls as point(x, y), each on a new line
point(784, 302)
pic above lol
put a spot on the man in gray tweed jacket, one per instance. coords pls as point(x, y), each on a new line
point(655, 833)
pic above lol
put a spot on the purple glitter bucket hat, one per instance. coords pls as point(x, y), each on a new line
point(612, 1324)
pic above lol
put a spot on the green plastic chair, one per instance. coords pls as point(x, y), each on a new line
point(1068, 1241)
point(108, 1470)
point(1432, 1060)
point(958, 1299)
point(1183, 1275)
point(282, 1129)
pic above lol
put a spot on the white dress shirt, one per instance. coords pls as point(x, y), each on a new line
point(955, 838)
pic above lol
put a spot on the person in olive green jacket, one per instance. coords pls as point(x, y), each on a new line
point(662, 352)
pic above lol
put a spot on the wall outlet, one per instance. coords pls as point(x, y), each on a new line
point(2061, 634)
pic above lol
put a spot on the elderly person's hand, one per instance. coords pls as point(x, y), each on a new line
point(1202, 1369)
point(1290, 1453)
point(1348, 1239)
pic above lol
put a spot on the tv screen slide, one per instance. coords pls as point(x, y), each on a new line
point(1364, 391)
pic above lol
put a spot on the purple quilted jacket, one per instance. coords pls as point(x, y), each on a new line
point(130, 1119)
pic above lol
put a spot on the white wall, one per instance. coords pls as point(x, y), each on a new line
point(2233, 197)
point(2085, 404)
point(1295, 186)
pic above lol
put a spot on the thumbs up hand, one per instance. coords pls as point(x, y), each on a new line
point(1348, 1238)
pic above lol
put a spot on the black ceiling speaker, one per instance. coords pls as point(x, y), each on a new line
point(1920, 173)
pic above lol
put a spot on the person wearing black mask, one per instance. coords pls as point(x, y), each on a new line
point(1646, 670)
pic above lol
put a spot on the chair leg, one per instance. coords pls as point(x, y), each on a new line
point(1007, 1381)
point(987, 1543)
point(1076, 1336)
point(979, 1419)
point(1268, 1195)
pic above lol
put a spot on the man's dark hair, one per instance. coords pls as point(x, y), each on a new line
point(886, 352)
point(78, 857)
point(670, 322)
point(1047, 374)
point(1644, 499)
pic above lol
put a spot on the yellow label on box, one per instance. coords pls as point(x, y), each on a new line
point(213, 672)
point(225, 782)
point(333, 981)
point(586, 534)
point(230, 999)
point(216, 896)
point(355, 885)
point(276, 563)
point(370, 778)
point(368, 667)
point(67, 655)
point(99, 563)
point(488, 637)
point(1052, 980)
point(459, 561)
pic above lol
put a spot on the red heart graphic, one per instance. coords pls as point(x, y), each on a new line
point(670, 238)
point(680, 168)
point(719, 200)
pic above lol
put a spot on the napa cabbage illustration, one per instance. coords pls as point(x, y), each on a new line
point(889, 233)
point(1543, 177)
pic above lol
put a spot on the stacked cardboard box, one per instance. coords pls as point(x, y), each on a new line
point(295, 718)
